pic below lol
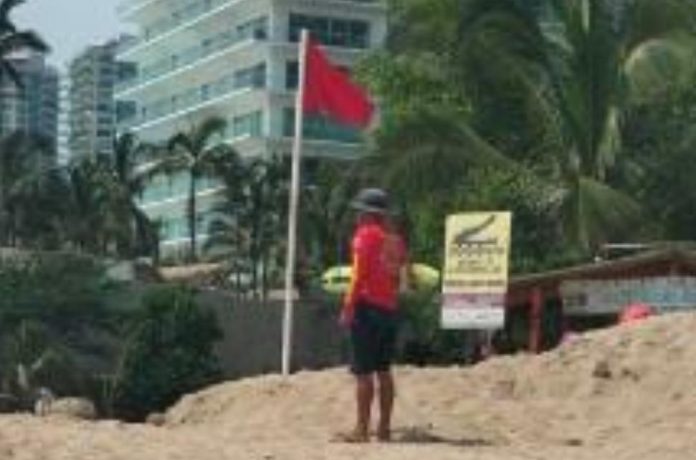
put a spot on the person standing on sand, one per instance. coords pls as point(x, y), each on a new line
point(370, 310)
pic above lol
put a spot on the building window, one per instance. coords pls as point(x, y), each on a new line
point(292, 75)
point(330, 31)
point(340, 33)
point(256, 28)
point(247, 125)
point(252, 77)
point(288, 122)
point(359, 34)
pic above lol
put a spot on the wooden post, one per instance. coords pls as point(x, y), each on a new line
point(536, 301)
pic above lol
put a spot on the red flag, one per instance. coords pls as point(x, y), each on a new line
point(329, 91)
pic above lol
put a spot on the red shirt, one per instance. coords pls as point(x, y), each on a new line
point(378, 256)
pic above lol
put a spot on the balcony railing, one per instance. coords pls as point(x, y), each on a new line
point(189, 56)
point(225, 86)
point(128, 5)
point(188, 13)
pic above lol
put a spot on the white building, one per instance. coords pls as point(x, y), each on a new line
point(237, 59)
point(93, 111)
point(63, 118)
point(33, 106)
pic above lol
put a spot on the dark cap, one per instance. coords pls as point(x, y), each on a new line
point(371, 200)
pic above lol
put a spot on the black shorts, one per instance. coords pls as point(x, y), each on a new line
point(373, 339)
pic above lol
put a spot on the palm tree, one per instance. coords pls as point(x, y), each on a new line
point(199, 152)
point(25, 174)
point(92, 222)
point(325, 224)
point(13, 40)
point(249, 221)
point(266, 214)
point(129, 171)
point(583, 63)
point(42, 210)
point(569, 69)
point(103, 213)
point(13, 168)
point(228, 238)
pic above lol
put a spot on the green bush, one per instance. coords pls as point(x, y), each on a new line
point(168, 353)
point(53, 323)
point(61, 290)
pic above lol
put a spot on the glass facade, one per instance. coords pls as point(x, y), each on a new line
point(176, 228)
point(292, 75)
point(248, 125)
point(174, 187)
point(34, 106)
point(251, 77)
point(320, 128)
point(348, 33)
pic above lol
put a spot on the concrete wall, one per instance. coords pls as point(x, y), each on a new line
point(253, 332)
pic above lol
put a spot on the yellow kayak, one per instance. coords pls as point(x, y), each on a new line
point(337, 279)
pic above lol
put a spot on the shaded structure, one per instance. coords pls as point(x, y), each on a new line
point(542, 307)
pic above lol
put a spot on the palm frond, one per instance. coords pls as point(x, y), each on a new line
point(24, 40)
point(648, 20)
point(7, 68)
point(657, 66)
point(6, 7)
point(596, 213)
point(205, 132)
point(180, 143)
point(432, 140)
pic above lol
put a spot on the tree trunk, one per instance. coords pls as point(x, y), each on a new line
point(264, 276)
point(255, 275)
point(255, 254)
point(238, 266)
point(9, 223)
point(192, 215)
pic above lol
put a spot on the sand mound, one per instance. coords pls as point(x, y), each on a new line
point(619, 380)
point(627, 393)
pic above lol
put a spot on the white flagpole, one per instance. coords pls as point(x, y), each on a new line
point(294, 205)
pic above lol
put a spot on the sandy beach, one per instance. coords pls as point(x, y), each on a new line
point(625, 393)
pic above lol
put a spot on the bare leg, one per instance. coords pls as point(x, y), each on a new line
point(386, 405)
point(364, 396)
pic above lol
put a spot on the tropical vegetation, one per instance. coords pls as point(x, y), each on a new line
point(573, 114)
point(579, 116)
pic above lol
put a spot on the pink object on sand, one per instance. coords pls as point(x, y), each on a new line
point(635, 312)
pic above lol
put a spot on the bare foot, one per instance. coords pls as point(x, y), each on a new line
point(384, 435)
point(352, 437)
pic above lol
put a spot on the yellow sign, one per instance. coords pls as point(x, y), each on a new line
point(476, 253)
point(475, 276)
